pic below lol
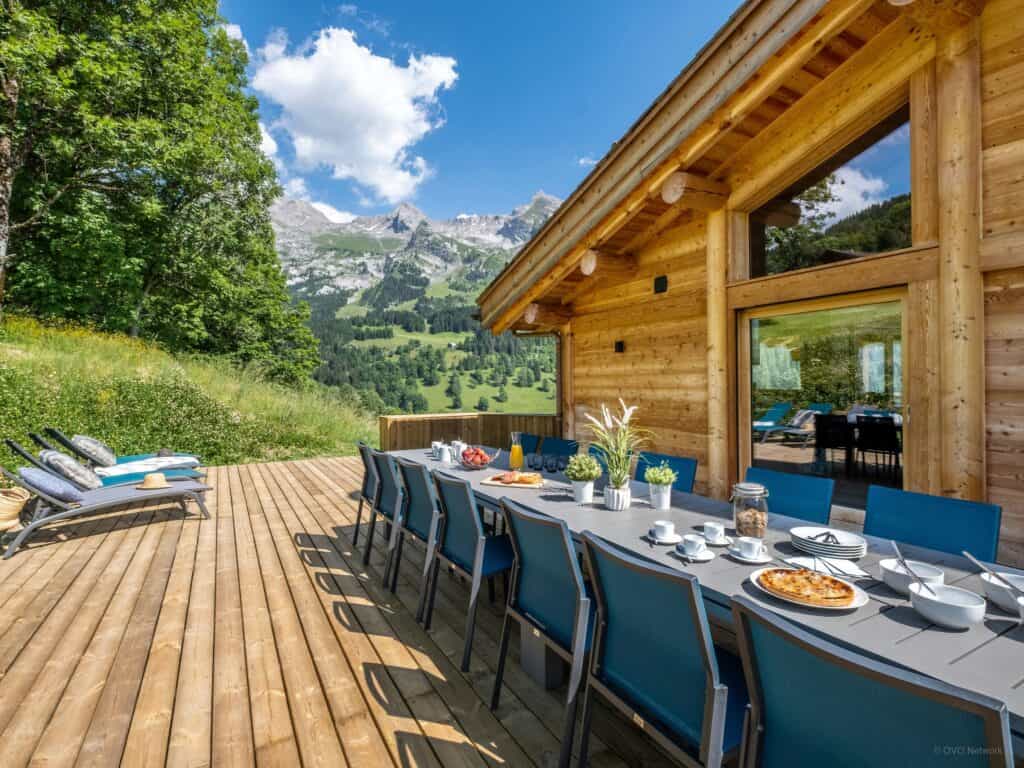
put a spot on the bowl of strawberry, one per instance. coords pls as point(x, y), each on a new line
point(475, 457)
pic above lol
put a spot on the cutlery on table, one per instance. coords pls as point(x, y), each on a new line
point(1011, 586)
point(907, 568)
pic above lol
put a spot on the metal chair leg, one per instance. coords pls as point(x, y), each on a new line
point(588, 711)
point(394, 535)
point(432, 594)
point(398, 562)
point(499, 673)
point(369, 536)
point(359, 518)
point(579, 664)
point(490, 589)
point(467, 649)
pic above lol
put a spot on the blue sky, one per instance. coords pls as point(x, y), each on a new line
point(458, 106)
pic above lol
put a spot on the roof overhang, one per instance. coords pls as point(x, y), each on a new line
point(637, 165)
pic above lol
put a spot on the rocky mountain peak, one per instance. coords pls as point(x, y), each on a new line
point(405, 218)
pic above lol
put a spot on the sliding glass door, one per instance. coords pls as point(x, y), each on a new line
point(821, 391)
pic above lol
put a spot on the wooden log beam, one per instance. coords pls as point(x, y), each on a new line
point(961, 287)
point(546, 316)
point(690, 190)
point(778, 213)
point(942, 16)
point(598, 268)
point(717, 354)
point(566, 395)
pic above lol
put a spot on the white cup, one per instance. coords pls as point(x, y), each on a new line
point(714, 531)
point(435, 448)
point(664, 529)
point(445, 455)
point(751, 548)
point(693, 544)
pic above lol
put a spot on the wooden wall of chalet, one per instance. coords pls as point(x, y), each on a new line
point(663, 368)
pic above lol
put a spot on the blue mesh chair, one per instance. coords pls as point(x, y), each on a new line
point(803, 496)
point(936, 522)
point(771, 420)
point(389, 502)
point(420, 518)
point(556, 446)
point(652, 658)
point(548, 596)
point(890, 716)
point(530, 442)
point(598, 453)
point(368, 492)
point(463, 545)
point(684, 467)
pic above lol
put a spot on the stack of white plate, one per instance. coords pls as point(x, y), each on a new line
point(813, 540)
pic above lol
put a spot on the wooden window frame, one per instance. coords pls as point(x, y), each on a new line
point(818, 304)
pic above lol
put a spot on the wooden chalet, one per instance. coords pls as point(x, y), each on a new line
point(650, 273)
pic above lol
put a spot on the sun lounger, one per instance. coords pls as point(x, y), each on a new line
point(141, 463)
point(122, 479)
point(69, 443)
point(49, 510)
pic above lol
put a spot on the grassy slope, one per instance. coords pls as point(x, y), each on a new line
point(138, 397)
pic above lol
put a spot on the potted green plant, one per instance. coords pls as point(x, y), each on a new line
point(618, 439)
point(583, 469)
point(659, 481)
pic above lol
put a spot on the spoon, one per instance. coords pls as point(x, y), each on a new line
point(914, 576)
point(1013, 587)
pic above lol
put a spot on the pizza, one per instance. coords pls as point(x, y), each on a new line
point(518, 478)
point(807, 587)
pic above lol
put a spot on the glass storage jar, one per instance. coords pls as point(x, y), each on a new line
point(750, 509)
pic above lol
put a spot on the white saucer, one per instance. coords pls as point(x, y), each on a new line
point(703, 557)
point(736, 555)
point(675, 538)
point(725, 541)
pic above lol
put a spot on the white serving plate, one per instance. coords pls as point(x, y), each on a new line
point(898, 580)
point(844, 539)
point(1001, 595)
point(860, 597)
point(950, 607)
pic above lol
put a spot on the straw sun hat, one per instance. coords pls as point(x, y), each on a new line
point(153, 481)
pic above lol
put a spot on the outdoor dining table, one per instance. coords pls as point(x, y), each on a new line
point(987, 659)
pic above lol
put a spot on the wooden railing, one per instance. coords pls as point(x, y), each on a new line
point(493, 429)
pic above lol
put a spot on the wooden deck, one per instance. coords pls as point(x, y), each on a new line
point(256, 638)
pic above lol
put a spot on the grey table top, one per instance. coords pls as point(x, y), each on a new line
point(988, 658)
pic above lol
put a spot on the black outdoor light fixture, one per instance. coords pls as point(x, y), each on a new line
point(661, 284)
point(620, 346)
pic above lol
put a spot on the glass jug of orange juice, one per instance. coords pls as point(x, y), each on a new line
point(515, 455)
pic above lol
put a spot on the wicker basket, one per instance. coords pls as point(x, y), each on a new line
point(12, 501)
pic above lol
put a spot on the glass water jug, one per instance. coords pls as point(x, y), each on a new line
point(515, 454)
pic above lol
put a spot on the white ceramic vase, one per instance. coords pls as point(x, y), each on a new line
point(661, 496)
point(583, 491)
point(617, 499)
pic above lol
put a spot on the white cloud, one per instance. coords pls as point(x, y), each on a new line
point(274, 47)
point(355, 112)
point(333, 214)
point(854, 191)
point(348, 9)
point(234, 32)
point(267, 144)
point(586, 161)
point(296, 188)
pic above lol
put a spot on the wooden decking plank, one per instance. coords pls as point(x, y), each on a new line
point(30, 607)
point(23, 570)
point(150, 729)
point(35, 684)
point(360, 737)
point(489, 735)
point(190, 742)
point(273, 735)
point(63, 737)
point(104, 742)
point(528, 730)
point(447, 631)
point(232, 721)
point(318, 741)
point(376, 647)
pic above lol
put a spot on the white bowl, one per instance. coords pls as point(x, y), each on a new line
point(898, 580)
point(1001, 594)
point(951, 607)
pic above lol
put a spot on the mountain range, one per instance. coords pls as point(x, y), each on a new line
point(322, 258)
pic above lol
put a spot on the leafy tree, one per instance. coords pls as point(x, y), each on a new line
point(502, 396)
point(545, 385)
point(456, 402)
point(454, 386)
point(482, 404)
point(133, 194)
